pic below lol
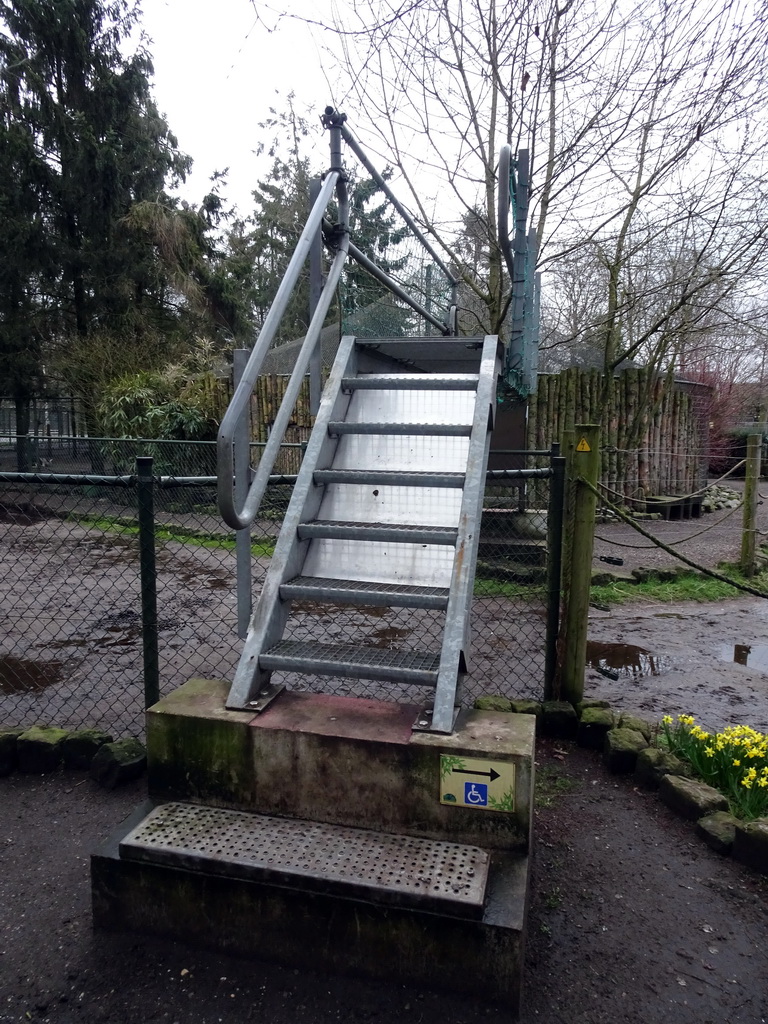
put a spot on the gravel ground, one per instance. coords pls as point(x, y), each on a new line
point(713, 538)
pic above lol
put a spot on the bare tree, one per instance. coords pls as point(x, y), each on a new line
point(641, 121)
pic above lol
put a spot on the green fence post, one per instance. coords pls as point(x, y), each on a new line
point(586, 467)
point(145, 484)
point(751, 480)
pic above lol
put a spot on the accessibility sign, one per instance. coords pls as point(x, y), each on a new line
point(474, 782)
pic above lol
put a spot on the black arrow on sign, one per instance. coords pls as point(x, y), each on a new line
point(466, 771)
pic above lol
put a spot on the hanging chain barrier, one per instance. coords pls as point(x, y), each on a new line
point(625, 517)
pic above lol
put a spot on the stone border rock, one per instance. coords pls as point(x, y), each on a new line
point(44, 748)
point(626, 744)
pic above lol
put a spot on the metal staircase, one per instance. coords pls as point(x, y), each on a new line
point(387, 506)
point(385, 512)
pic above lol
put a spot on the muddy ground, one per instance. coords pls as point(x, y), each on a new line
point(632, 920)
point(709, 660)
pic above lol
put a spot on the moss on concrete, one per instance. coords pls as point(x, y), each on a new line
point(593, 726)
point(621, 749)
point(39, 748)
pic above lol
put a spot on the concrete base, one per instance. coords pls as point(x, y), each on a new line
point(340, 761)
point(319, 932)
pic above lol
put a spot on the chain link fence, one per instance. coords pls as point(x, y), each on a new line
point(72, 650)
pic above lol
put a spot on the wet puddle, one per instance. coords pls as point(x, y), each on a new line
point(388, 636)
point(750, 655)
point(624, 661)
point(17, 675)
point(211, 580)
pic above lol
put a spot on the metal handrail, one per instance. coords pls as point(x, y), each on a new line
point(359, 152)
point(335, 180)
point(375, 271)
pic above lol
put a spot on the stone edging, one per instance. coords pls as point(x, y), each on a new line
point(624, 741)
point(43, 748)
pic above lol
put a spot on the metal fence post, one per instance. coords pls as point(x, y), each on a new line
point(751, 478)
point(554, 567)
point(242, 442)
point(146, 500)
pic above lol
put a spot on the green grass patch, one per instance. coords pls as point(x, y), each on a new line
point(121, 526)
point(499, 588)
point(685, 586)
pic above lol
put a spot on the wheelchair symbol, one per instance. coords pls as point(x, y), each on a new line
point(476, 794)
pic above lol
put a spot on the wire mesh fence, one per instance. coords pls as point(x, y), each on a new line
point(71, 651)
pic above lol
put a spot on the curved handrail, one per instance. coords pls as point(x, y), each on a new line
point(240, 519)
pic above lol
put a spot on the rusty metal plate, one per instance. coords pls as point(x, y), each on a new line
point(352, 862)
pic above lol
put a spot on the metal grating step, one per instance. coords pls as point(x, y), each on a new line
point(412, 382)
point(388, 478)
point(352, 661)
point(359, 592)
point(338, 427)
point(334, 859)
point(394, 532)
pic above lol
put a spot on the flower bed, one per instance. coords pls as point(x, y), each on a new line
point(734, 761)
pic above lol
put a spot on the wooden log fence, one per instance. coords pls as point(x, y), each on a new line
point(654, 440)
point(655, 433)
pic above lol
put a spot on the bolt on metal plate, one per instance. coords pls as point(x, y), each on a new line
point(334, 859)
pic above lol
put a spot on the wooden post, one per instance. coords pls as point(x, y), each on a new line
point(585, 467)
point(751, 478)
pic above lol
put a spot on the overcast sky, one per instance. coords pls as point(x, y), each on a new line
point(217, 69)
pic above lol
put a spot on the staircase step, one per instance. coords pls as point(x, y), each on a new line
point(312, 856)
point(390, 532)
point(339, 427)
point(353, 661)
point(412, 382)
point(388, 478)
point(361, 592)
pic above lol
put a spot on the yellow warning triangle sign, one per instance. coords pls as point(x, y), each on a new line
point(583, 445)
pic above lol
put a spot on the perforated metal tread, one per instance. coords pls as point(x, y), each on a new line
point(352, 661)
point(363, 592)
point(412, 382)
point(396, 532)
point(338, 427)
point(351, 862)
point(388, 478)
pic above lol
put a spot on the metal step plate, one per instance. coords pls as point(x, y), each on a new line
point(363, 592)
point(352, 661)
point(356, 863)
point(411, 382)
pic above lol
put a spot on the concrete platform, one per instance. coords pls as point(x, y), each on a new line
point(326, 833)
point(318, 931)
point(342, 760)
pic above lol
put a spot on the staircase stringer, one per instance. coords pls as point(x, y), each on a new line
point(251, 688)
point(455, 647)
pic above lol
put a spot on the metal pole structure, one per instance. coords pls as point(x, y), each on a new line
point(520, 271)
point(586, 467)
point(751, 479)
point(554, 567)
point(315, 288)
point(149, 640)
point(242, 439)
